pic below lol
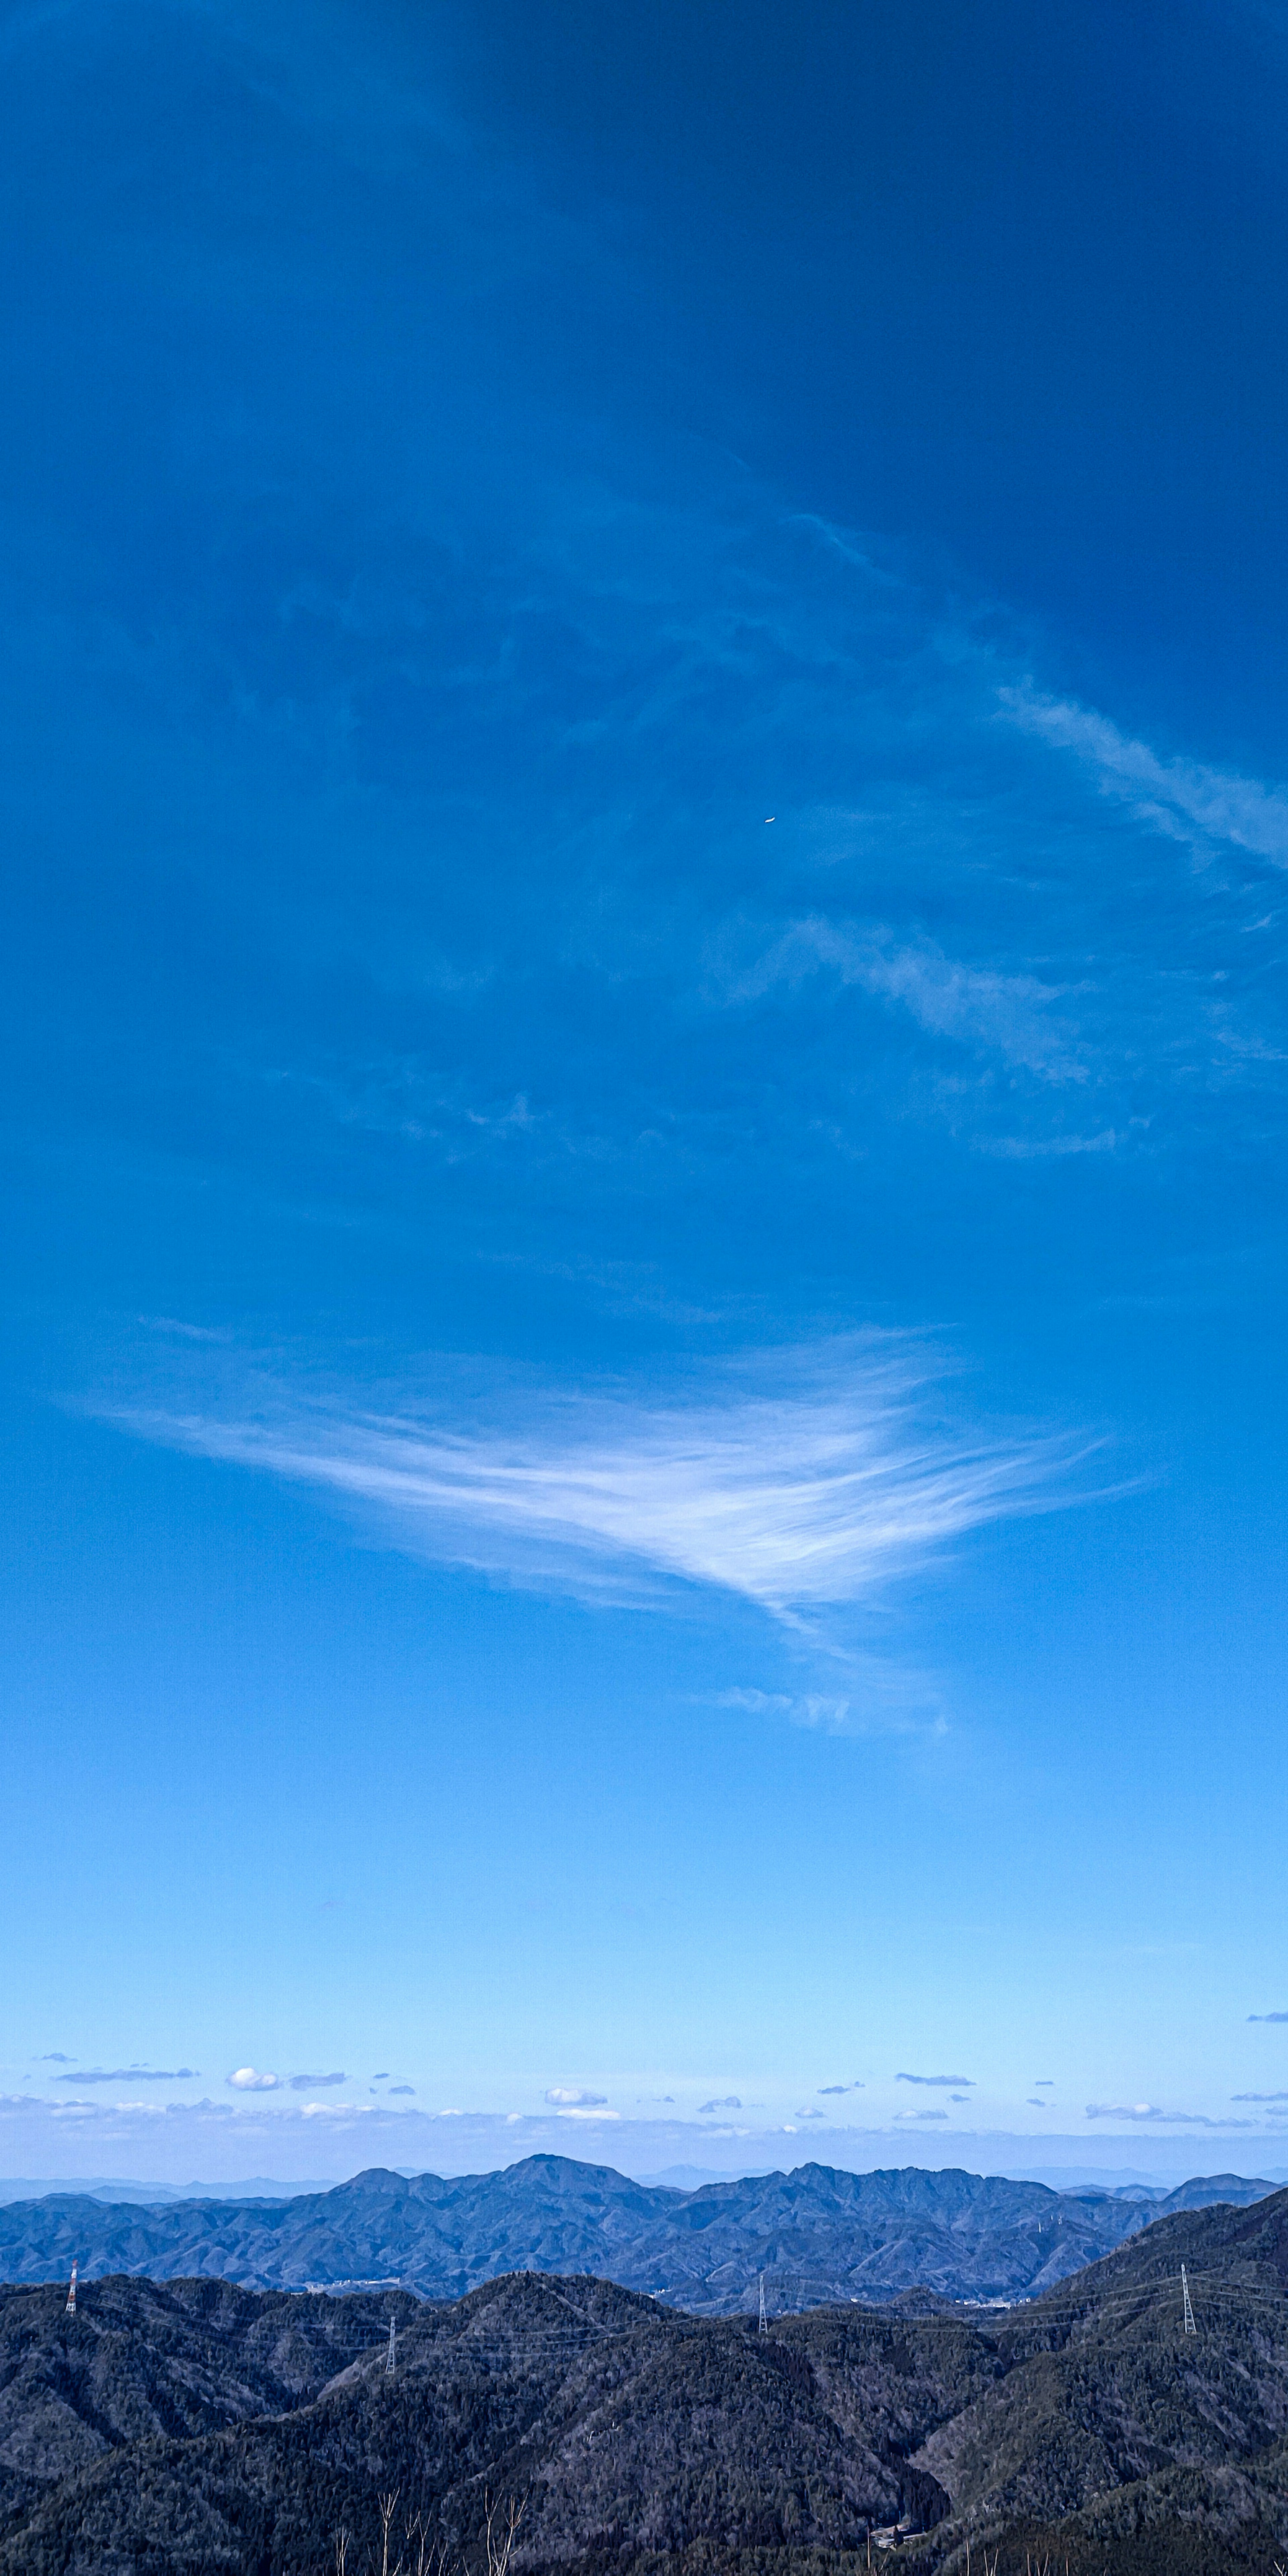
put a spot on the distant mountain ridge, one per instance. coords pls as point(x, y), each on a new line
point(815, 2234)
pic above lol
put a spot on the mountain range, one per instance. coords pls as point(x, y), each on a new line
point(195, 2426)
point(814, 2235)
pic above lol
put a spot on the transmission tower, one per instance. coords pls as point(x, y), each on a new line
point(1188, 2326)
point(763, 2327)
point(389, 2361)
point(70, 2309)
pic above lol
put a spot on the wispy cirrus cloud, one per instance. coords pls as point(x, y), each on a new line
point(1182, 798)
point(1011, 1015)
point(831, 1712)
point(797, 1479)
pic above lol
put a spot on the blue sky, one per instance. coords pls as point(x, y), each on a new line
point(645, 800)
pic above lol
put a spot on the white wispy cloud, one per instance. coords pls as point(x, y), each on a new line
point(1033, 1149)
point(1009, 1014)
point(1149, 2114)
point(796, 1479)
point(832, 1712)
point(1189, 802)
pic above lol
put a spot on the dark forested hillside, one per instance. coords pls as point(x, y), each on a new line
point(142, 2360)
point(1115, 2440)
point(627, 2427)
point(815, 2234)
point(194, 2427)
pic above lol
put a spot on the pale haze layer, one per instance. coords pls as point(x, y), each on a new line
point(645, 1081)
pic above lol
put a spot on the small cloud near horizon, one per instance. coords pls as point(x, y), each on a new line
point(855, 2087)
point(574, 2097)
point(946, 2080)
point(130, 2075)
point(401, 2088)
point(56, 2057)
point(310, 2083)
point(1283, 2016)
point(1147, 2112)
point(245, 2079)
point(728, 2102)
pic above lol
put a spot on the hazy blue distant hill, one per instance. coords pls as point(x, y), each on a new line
point(815, 2235)
point(110, 2187)
point(1204, 2191)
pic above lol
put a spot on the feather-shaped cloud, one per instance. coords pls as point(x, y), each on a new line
point(797, 1478)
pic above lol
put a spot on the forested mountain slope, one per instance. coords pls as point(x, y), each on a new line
point(1113, 2438)
point(195, 2427)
